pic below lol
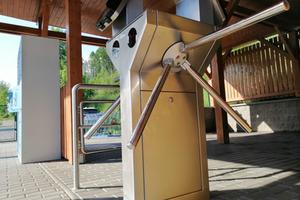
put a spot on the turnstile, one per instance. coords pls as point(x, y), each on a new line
point(169, 161)
point(162, 114)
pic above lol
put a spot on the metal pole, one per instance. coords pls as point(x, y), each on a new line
point(96, 86)
point(278, 8)
point(75, 89)
point(209, 55)
point(187, 66)
point(75, 138)
point(102, 125)
point(137, 133)
point(102, 119)
point(219, 11)
point(98, 101)
point(82, 128)
point(81, 117)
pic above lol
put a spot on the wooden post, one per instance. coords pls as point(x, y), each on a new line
point(43, 18)
point(294, 45)
point(219, 85)
point(232, 4)
point(74, 72)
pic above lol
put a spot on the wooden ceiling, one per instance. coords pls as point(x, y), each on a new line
point(30, 10)
point(285, 21)
point(91, 10)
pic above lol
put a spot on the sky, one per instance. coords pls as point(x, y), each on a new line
point(9, 47)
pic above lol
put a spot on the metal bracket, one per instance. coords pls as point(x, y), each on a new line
point(175, 56)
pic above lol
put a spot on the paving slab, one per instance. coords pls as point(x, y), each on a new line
point(253, 167)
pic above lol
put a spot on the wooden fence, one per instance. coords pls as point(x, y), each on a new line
point(263, 69)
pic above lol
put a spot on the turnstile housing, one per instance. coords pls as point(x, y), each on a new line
point(170, 161)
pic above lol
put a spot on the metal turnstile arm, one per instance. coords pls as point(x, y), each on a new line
point(187, 66)
point(137, 133)
point(102, 119)
point(270, 12)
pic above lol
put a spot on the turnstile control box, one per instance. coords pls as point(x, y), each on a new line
point(170, 160)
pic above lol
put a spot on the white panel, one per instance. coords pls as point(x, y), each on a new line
point(40, 138)
point(202, 10)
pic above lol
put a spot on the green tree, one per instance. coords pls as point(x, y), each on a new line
point(100, 61)
point(102, 72)
point(62, 64)
point(3, 99)
point(62, 59)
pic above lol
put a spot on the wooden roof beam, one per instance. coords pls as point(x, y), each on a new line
point(230, 8)
point(43, 16)
point(246, 35)
point(22, 30)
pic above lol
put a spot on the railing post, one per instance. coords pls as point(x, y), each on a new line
point(75, 138)
point(75, 149)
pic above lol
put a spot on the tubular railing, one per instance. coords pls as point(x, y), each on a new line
point(101, 120)
point(75, 126)
point(82, 127)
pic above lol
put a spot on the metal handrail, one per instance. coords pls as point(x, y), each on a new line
point(75, 148)
point(101, 120)
point(96, 101)
point(82, 127)
point(84, 151)
point(102, 125)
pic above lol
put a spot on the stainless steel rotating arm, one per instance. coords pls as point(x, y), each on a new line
point(187, 66)
point(102, 119)
point(270, 12)
point(137, 133)
point(177, 54)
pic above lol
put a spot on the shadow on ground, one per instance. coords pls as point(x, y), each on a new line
point(105, 198)
point(255, 166)
point(114, 156)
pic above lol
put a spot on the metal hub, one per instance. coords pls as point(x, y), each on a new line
point(175, 56)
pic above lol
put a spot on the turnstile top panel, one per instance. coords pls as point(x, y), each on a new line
point(141, 45)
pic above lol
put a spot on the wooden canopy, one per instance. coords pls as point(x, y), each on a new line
point(32, 10)
point(52, 12)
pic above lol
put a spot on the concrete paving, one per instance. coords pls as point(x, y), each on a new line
point(28, 181)
point(253, 167)
point(7, 130)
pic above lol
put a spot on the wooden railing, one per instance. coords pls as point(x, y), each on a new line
point(263, 69)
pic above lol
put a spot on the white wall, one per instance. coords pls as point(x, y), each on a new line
point(40, 118)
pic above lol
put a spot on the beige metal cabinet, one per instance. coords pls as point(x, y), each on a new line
point(169, 162)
